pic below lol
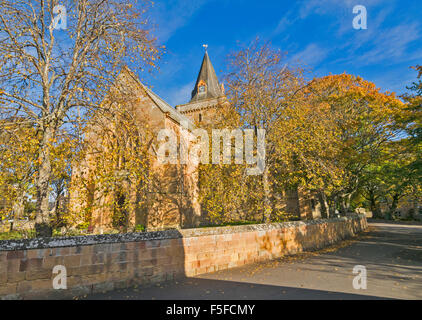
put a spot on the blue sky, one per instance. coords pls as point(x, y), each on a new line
point(318, 33)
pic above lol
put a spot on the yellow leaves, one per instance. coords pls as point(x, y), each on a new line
point(18, 159)
point(116, 153)
point(324, 133)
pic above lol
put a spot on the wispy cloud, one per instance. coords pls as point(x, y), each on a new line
point(396, 80)
point(169, 16)
point(285, 22)
point(392, 43)
point(311, 56)
point(180, 95)
point(383, 45)
point(380, 43)
point(323, 7)
point(316, 33)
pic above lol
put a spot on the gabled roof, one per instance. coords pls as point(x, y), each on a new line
point(207, 75)
point(166, 108)
point(161, 104)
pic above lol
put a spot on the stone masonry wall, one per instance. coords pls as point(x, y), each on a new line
point(106, 262)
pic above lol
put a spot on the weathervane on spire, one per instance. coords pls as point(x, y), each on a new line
point(205, 46)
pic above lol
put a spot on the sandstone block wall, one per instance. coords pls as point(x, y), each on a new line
point(106, 262)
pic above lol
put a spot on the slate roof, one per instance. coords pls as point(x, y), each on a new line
point(207, 74)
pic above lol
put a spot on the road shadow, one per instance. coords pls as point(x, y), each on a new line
point(208, 289)
point(391, 254)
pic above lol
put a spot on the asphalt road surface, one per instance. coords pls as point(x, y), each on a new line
point(391, 254)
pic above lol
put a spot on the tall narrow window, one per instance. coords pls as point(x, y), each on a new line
point(200, 117)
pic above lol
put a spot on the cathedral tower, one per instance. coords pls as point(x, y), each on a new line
point(207, 96)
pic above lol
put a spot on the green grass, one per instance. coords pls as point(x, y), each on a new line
point(16, 235)
point(248, 222)
point(228, 224)
point(29, 234)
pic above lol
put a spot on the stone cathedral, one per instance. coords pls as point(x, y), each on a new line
point(172, 197)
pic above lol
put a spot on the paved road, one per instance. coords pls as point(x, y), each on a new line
point(391, 253)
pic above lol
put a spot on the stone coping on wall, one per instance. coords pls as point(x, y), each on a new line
point(57, 242)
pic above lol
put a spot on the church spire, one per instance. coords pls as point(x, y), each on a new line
point(207, 85)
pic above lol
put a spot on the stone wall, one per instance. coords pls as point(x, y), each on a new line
point(106, 262)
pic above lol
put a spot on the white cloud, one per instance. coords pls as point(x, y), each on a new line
point(392, 43)
point(377, 44)
point(181, 95)
point(312, 55)
point(383, 44)
point(322, 7)
point(396, 80)
point(287, 20)
point(172, 15)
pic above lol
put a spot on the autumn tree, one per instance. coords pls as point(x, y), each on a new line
point(390, 179)
point(397, 173)
point(261, 89)
point(321, 136)
point(63, 152)
point(51, 67)
point(224, 187)
point(18, 154)
point(111, 168)
point(411, 122)
point(408, 174)
point(361, 123)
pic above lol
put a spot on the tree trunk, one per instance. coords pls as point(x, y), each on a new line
point(348, 201)
point(415, 208)
point(376, 213)
point(332, 207)
point(343, 209)
point(42, 219)
point(19, 206)
point(324, 205)
point(267, 194)
point(393, 206)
